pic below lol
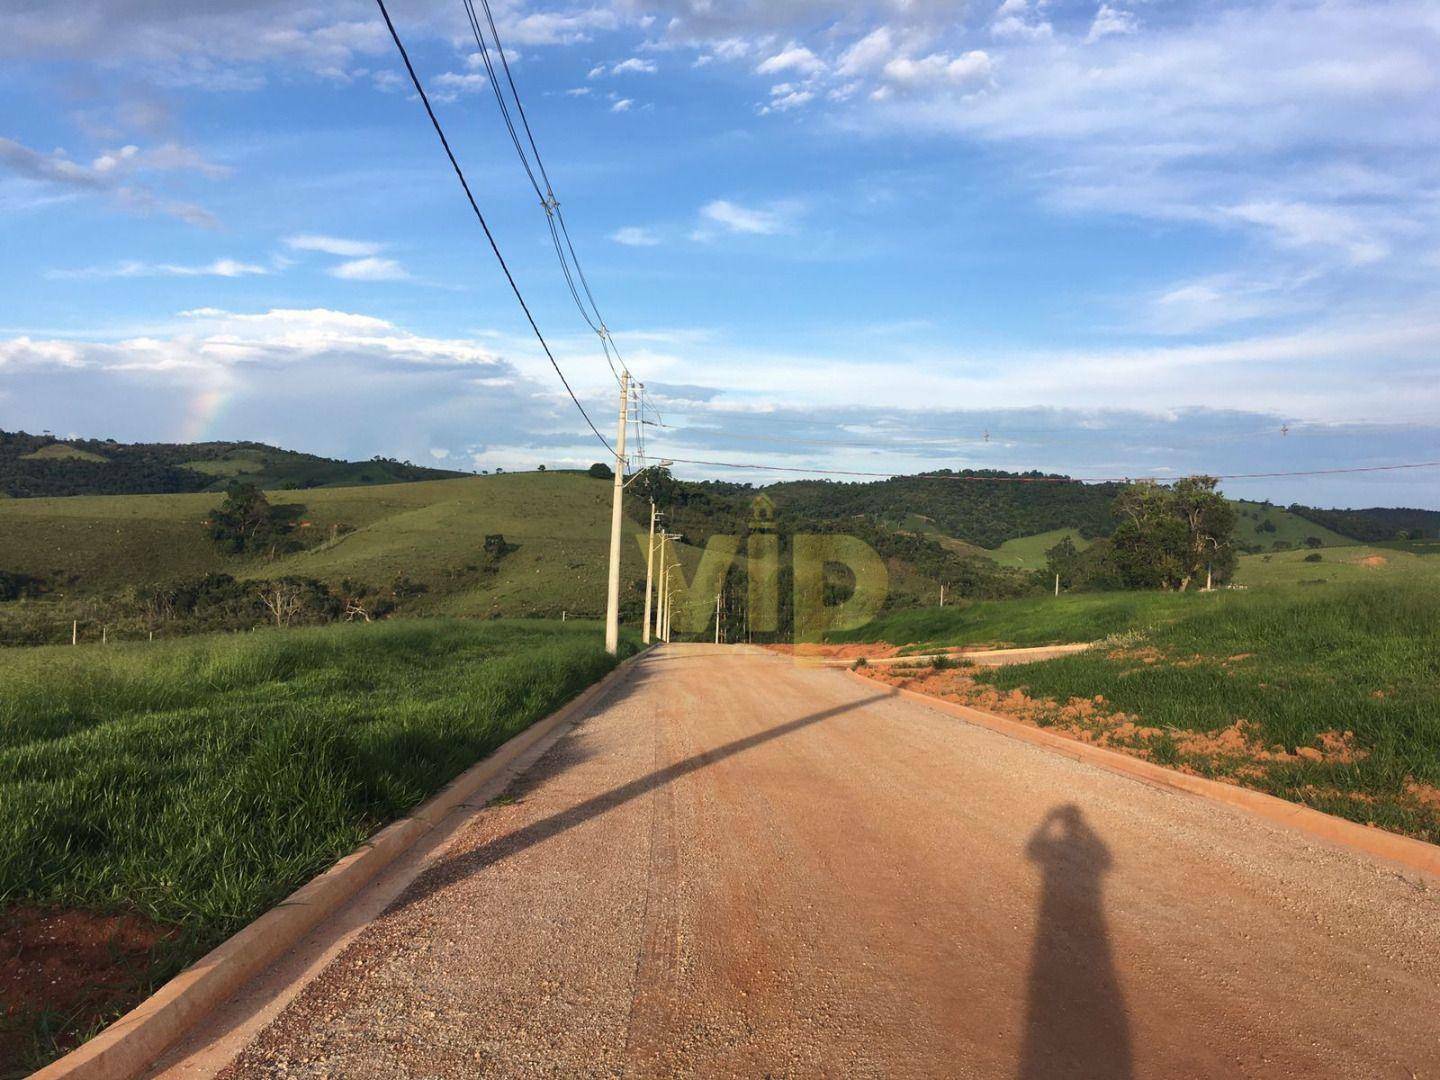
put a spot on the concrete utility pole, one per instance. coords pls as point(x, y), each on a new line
point(649, 571)
point(660, 588)
point(717, 618)
point(612, 595)
point(1057, 584)
point(942, 595)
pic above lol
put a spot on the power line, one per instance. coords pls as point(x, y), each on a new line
point(460, 175)
point(548, 201)
point(1049, 479)
point(895, 424)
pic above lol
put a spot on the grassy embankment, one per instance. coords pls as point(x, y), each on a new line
point(1263, 689)
point(1259, 685)
point(197, 782)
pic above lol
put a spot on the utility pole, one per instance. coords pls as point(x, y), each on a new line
point(717, 618)
point(612, 596)
point(649, 574)
point(660, 588)
point(942, 595)
point(1057, 584)
point(1209, 578)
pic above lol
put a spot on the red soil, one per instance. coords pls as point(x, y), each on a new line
point(77, 966)
point(1236, 750)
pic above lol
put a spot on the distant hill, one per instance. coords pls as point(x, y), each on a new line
point(965, 505)
point(35, 466)
point(1377, 523)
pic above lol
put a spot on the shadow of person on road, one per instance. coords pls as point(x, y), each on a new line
point(1075, 1024)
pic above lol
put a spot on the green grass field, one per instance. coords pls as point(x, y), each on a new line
point(430, 531)
point(1289, 528)
point(1355, 658)
point(1028, 552)
point(1037, 620)
point(1348, 564)
point(62, 452)
point(198, 782)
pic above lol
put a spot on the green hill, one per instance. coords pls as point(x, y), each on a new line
point(1260, 525)
point(36, 466)
point(1028, 552)
point(1376, 523)
point(431, 532)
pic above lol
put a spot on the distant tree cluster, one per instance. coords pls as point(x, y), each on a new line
point(1169, 537)
point(1377, 523)
point(15, 585)
point(248, 523)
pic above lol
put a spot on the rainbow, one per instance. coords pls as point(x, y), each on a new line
point(203, 412)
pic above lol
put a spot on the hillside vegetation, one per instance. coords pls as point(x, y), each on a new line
point(33, 466)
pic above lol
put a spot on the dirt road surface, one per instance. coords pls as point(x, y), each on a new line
point(737, 866)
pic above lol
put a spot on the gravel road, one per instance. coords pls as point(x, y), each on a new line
point(738, 866)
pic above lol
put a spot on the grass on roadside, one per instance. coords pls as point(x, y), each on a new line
point(198, 782)
point(1300, 670)
point(1039, 620)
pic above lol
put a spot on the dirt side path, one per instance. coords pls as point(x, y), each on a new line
point(744, 867)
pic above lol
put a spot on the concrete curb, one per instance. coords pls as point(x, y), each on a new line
point(138, 1038)
point(1400, 852)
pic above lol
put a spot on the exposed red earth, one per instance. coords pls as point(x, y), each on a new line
point(70, 964)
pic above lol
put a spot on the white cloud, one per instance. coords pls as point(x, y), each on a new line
point(557, 28)
point(111, 173)
point(332, 245)
point(1015, 19)
point(215, 338)
point(939, 68)
point(634, 66)
point(451, 84)
point(1110, 20)
point(867, 54)
point(372, 268)
point(622, 105)
point(786, 97)
point(635, 236)
point(577, 91)
point(792, 58)
point(1305, 225)
point(131, 268)
point(741, 219)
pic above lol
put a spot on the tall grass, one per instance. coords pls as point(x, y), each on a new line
point(200, 781)
point(1364, 659)
point(1041, 620)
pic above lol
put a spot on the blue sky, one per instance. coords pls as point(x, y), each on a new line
point(1130, 238)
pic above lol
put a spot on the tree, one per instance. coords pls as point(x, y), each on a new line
point(1060, 561)
point(601, 471)
point(1169, 536)
point(1314, 542)
point(247, 522)
point(284, 600)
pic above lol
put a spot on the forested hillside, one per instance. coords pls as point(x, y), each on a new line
point(964, 505)
point(33, 466)
point(1376, 523)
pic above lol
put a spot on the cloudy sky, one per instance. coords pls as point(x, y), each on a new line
point(1132, 238)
